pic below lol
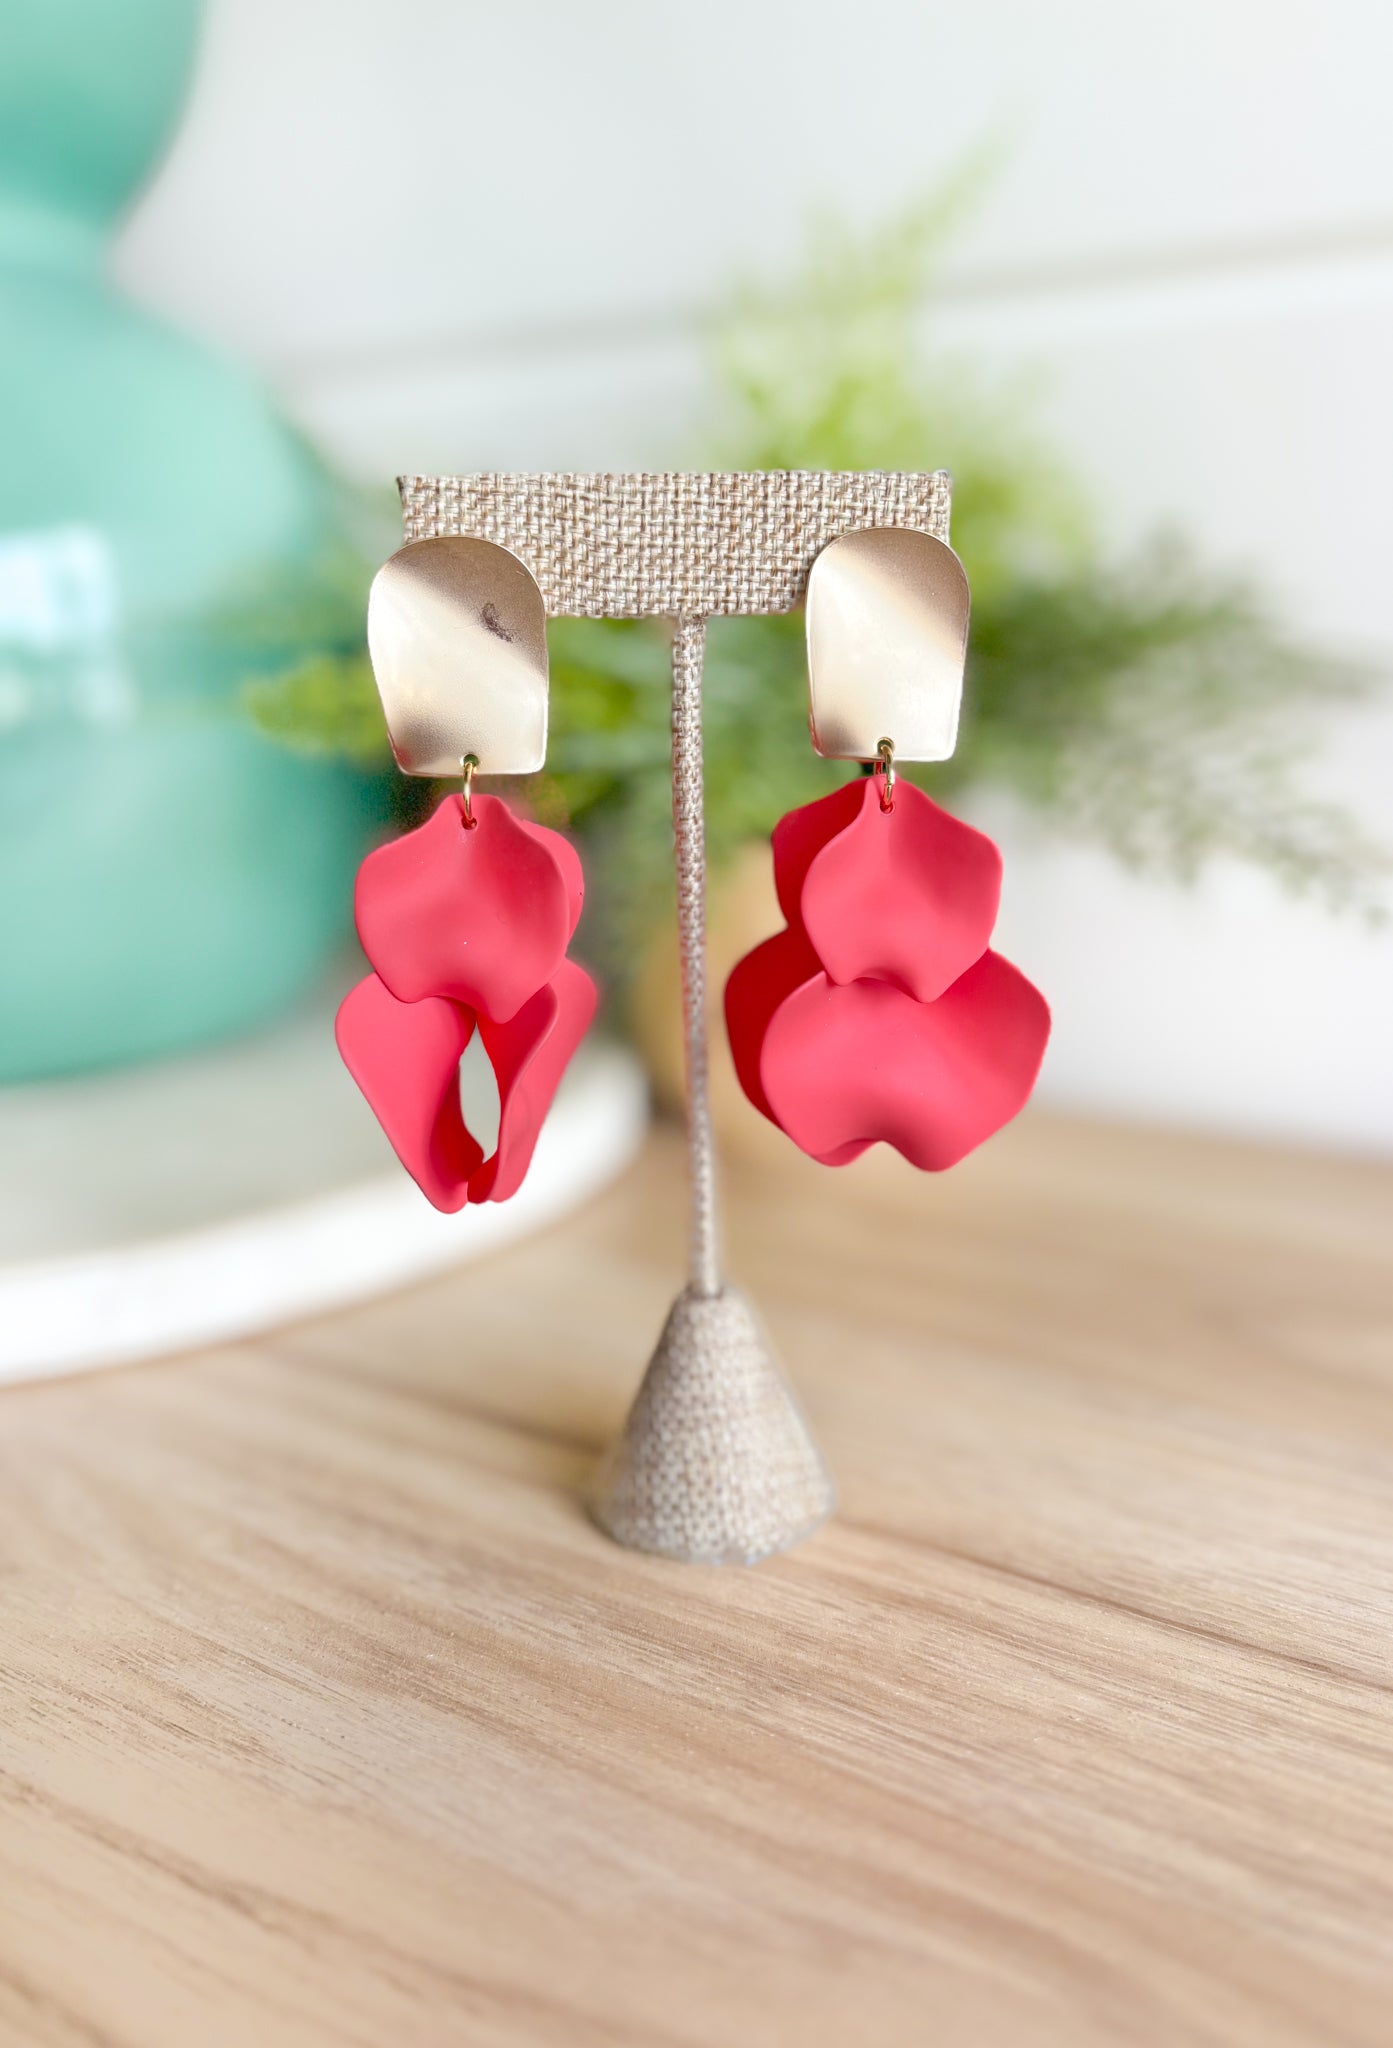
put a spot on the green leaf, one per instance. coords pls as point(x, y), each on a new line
point(1150, 706)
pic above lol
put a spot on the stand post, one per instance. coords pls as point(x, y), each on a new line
point(715, 1464)
point(689, 832)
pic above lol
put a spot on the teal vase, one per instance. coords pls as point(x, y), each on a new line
point(167, 876)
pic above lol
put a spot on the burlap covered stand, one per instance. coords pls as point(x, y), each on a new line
point(715, 1464)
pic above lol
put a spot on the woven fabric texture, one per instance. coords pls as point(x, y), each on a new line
point(715, 1464)
point(709, 545)
point(689, 833)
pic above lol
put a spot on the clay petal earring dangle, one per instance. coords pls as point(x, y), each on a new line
point(881, 1012)
point(467, 920)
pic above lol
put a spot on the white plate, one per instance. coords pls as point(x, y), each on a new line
point(175, 1205)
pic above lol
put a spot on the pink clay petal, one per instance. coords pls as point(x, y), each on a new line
point(483, 917)
point(405, 1057)
point(844, 1066)
point(758, 984)
point(907, 896)
point(529, 1054)
point(800, 836)
point(568, 860)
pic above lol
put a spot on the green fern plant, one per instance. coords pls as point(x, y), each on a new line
point(1150, 706)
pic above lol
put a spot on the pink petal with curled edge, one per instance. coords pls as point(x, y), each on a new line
point(800, 836)
point(483, 917)
point(908, 895)
point(844, 1066)
point(529, 1054)
point(405, 1057)
point(568, 860)
point(754, 991)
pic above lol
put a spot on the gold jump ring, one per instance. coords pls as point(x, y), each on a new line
point(885, 766)
point(468, 764)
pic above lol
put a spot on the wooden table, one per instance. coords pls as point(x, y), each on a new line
point(329, 1718)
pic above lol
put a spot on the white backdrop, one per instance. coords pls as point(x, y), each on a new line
point(459, 236)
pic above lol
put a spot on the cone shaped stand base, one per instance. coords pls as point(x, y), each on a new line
point(715, 1464)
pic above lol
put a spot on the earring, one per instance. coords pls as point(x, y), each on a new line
point(881, 1012)
point(467, 920)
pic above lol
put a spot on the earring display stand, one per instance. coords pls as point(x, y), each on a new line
point(715, 1463)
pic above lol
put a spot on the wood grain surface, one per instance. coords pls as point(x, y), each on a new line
point(328, 1717)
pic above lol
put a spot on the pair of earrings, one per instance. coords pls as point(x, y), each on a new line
point(879, 1013)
